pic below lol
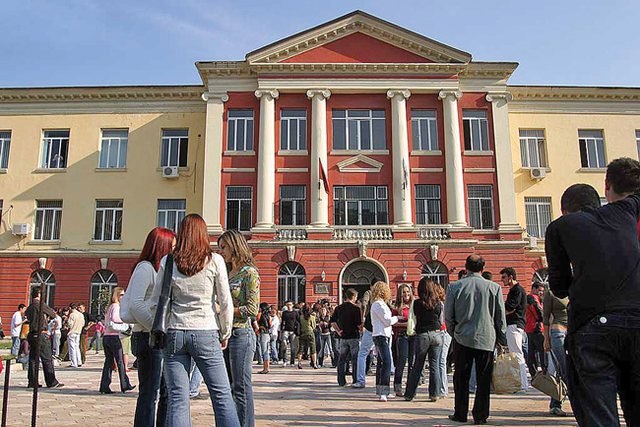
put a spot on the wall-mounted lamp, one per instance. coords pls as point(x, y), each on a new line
point(323, 275)
point(404, 275)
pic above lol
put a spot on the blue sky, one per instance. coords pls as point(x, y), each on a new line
point(121, 42)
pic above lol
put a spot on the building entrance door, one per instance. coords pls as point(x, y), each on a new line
point(359, 276)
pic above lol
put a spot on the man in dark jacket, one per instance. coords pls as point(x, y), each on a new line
point(515, 306)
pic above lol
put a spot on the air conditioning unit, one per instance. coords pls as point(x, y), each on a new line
point(538, 173)
point(21, 229)
point(170, 171)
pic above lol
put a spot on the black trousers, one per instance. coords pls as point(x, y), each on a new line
point(536, 357)
point(464, 358)
point(46, 358)
point(113, 351)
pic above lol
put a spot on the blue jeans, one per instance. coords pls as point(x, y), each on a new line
point(265, 341)
point(428, 343)
point(195, 380)
point(150, 383)
point(383, 367)
point(348, 352)
point(274, 348)
point(15, 345)
point(556, 339)
point(404, 357)
point(239, 356)
point(366, 345)
point(603, 361)
point(204, 348)
point(442, 364)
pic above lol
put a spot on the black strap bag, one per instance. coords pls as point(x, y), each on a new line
point(157, 337)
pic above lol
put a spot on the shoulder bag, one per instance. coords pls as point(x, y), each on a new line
point(551, 385)
point(158, 334)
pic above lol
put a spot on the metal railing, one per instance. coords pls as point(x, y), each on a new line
point(362, 233)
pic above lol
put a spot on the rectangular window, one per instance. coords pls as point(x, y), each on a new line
point(293, 205)
point(592, 149)
point(108, 220)
point(5, 144)
point(532, 149)
point(476, 130)
point(48, 220)
point(293, 129)
point(240, 130)
point(171, 213)
point(175, 146)
point(239, 208)
point(638, 142)
point(481, 206)
point(424, 130)
point(538, 214)
point(428, 210)
point(361, 205)
point(55, 146)
point(359, 130)
point(113, 148)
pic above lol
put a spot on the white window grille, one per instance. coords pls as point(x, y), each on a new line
point(5, 145)
point(359, 130)
point(361, 205)
point(48, 220)
point(436, 271)
point(481, 206)
point(113, 148)
point(476, 130)
point(291, 283)
point(538, 215)
point(532, 148)
point(171, 213)
point(102, 281)
point(55, 146)
point(592, 153)
point(424, 130)
point(240, 130)
point(175, 147)
point(108, 226)
point(293, 129)
point(47, 278)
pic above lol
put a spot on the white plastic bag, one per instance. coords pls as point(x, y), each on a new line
point(506, 374)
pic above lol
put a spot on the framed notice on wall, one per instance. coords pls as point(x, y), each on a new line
point(322, 288)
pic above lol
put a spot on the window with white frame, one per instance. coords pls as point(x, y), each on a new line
point(293, 129)
point(291, 283)
point(359, 130)
point(102, 282)
point(108, 225)
point(538, 215)
point(171, 212)
point(5, 144)
point(175, 147)
point(476, 130)
point(436, 271)
point(361, 205)
point(638, 142)
point(428, 210)
point(55, 146)
point(532, 148)
point(239, 208)
point(293, 205)
point(46, 278)
point(48, 220)
point(424, 130)
point(113, 148)
point(480, 206)
point(240, 130)
point(592, 149)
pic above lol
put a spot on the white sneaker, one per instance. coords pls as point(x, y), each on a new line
point(382, 398)
point(391, 396)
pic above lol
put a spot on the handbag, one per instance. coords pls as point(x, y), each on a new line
point(411, 321)
point(158, 334)
point(506, 374)
point(116, 326)
point(551, 385)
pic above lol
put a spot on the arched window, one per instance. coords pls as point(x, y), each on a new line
point(39, 277)
point(291, 283)
point(102, 284)
point(436, 271)
point(360, 274)
point(541, 276)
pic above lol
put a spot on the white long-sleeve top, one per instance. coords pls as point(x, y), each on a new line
point(138, 296)
point(194, 297)
point(381, 319)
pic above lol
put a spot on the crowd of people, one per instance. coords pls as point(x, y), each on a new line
point(584, 323)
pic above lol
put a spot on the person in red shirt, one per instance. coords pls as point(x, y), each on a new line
point(533, 327)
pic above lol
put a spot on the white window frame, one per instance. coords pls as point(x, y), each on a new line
point(163, 214)
point(345, 202)
point(291, 277)
point(174, 141)
point(425, 202)
point(424, 142)
point(104, 210)
point(437, 272)
point(294, 205)
point(55, 214)
point(47, 277)
point(112, 145)
point(478, 143)
point(597, 163)
point(249, 122)
point(5, 146)
point(359, 120)
point(48, 157)
point(101, 279)
point(480, 201)
point(539, 144)
point(239, 202)
point(534, 215)
point(285, 137)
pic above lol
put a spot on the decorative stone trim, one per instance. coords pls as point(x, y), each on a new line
point(405, 93)
point(376, 166)
point(106, 94)
point(574, 93)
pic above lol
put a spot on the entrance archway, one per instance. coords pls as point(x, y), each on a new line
point(359, 273)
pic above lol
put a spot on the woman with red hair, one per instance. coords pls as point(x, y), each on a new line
point(135, 307)
point(195, 328)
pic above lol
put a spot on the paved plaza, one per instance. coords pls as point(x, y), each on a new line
point(287, 396)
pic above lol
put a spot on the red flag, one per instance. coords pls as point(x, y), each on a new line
point(323, 176)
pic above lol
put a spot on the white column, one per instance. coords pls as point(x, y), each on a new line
point(504, 162)
point(453, 159)
point(400, 153)
point(319, 197)
point(266, 159)
point(212, 169)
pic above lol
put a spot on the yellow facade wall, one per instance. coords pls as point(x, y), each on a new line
point(563, 153)
point(80, 184)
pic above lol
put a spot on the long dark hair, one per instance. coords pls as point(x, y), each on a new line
point(306, 311)
point(159, 243)
point(428, 294)
point(192, 245)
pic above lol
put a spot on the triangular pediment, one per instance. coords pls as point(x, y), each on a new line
point(360, 163)
point(358, 38)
